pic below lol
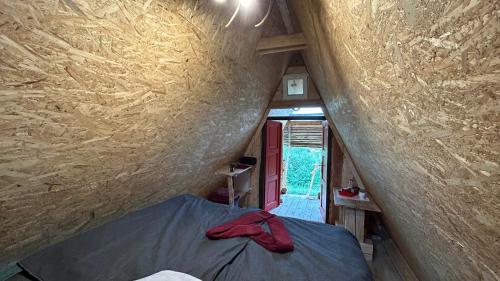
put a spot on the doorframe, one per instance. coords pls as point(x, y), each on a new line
point(328, 172)
point(262, 167)
point(328, 161)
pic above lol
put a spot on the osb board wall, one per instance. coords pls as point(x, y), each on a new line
point(347, 173)
point(108, 106)
point(413, 89)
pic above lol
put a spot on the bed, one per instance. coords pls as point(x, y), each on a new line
point(171, 236)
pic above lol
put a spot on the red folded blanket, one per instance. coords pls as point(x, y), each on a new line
point(248, 226)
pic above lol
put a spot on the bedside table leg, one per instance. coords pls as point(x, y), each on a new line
point(354, 221)
point(230, 188)
point(360, 225)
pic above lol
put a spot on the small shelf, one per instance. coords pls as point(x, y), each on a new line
point(240, 169)
point(238, 181)
point(355, 203)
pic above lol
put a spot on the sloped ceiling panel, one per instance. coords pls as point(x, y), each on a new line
point(108, 106)
point(413, 88)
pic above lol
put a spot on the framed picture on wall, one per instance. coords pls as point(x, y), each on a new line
point(295, 86)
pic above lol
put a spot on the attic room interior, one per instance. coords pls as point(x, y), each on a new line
point(151, 140)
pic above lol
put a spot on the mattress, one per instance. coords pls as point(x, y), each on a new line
point(171, 236)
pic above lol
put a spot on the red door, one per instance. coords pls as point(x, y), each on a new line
point(324, 172)
point(272, 167)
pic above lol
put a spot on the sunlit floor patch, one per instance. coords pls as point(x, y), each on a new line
point(300, 207)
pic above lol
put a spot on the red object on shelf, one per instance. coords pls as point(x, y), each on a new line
point(349, 192)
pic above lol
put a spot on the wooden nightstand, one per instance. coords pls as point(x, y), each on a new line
point(352, 217)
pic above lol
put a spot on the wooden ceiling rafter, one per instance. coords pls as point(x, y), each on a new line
point(283, 43)
point(285, 15)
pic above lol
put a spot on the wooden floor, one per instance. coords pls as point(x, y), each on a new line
point(388, 264)
point(300, 207)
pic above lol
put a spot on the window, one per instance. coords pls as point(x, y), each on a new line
point(290, 112)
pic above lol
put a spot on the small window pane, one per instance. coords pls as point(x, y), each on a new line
point(295, 87)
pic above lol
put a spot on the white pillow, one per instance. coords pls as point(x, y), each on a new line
point(169, 275)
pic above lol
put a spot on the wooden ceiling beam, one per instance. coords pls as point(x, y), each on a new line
point(296, 103)
point(285, 15)
point(281, 44)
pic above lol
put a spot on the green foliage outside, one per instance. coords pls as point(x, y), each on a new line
point(300, 165)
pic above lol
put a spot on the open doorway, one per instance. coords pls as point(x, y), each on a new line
point(296, 184)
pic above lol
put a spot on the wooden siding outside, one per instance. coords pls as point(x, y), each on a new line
point(308, 134)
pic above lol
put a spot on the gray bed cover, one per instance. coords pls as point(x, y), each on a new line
point(171, 235)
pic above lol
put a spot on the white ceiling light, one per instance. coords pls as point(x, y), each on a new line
point(247, 3)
